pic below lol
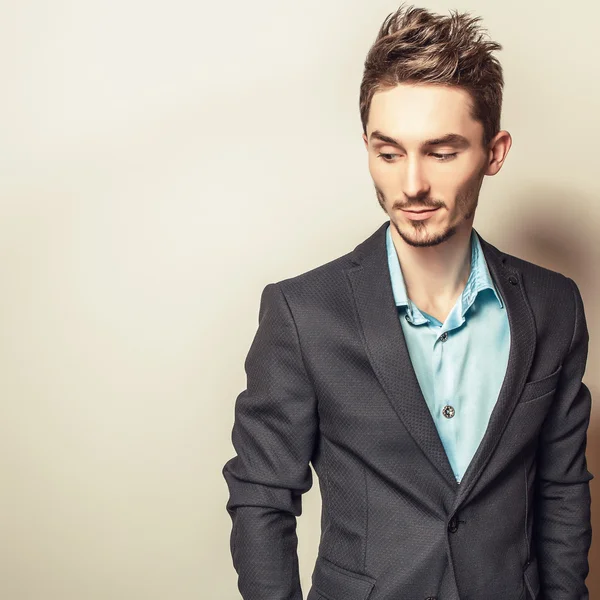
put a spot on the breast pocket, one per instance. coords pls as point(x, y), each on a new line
point(540, 387)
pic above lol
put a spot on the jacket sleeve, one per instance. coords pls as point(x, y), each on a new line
point(563, 517)
point(274, 430)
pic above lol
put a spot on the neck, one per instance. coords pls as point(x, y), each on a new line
point(435, 275)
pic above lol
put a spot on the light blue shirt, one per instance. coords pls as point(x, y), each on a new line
point(460, 364)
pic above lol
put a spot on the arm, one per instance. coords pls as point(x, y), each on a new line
point(273, 434)
point(563, 520)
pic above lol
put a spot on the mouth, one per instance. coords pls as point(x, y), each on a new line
point(419, 214)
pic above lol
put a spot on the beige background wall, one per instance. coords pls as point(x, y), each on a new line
point(160, 163)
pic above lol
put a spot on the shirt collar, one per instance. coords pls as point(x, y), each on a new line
point(479, 278)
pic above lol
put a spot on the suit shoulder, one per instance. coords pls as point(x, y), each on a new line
point(319, 278)
point(319, 293)
point(538, 272)
point(330, 277)
point(546, 287)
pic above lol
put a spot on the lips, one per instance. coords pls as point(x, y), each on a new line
point(419, 215)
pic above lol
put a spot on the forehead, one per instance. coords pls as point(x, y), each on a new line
point(412, 112)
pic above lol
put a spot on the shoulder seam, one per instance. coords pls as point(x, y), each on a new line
point(574, 291)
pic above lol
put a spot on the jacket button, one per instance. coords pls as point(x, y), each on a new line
point(431, 598)
point(513, 280)
point(453, 525)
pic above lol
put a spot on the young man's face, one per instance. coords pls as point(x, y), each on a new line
point(411, 175)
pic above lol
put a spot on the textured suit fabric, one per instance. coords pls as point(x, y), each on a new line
point(460, 363)
point(330, 383)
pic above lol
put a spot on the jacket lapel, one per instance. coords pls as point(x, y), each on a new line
point(388, 353)
point(387, 349)
point(509, 283)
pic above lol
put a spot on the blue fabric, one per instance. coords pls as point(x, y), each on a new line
point(467, 369)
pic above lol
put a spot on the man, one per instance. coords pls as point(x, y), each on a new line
point(433, 381)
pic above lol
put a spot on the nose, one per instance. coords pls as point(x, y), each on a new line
point(415, 182)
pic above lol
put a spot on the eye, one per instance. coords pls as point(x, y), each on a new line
point(386, 157)
point(443, 157)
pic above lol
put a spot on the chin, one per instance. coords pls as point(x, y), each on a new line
point(420, 234)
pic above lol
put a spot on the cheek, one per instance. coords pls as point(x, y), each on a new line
point(374, 167)
point(451, 177)
point(381, 175)
point(453, 182)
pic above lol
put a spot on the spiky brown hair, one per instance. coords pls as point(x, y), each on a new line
point(416, 46)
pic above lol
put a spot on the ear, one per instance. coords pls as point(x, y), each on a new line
point(498, 150)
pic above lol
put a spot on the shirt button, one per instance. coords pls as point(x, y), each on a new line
point(444, 336)
point(448, 411)
point(407, 318)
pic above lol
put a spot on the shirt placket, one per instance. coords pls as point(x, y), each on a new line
point(444, 385)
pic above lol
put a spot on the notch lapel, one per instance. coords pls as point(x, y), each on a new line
point(509, 283)
point(387, 350)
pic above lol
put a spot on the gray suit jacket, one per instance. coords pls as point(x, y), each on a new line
point(330, 382)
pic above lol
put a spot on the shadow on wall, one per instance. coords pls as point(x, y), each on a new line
point(566, 242)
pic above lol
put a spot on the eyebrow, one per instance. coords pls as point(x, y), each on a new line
point(453, 139)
